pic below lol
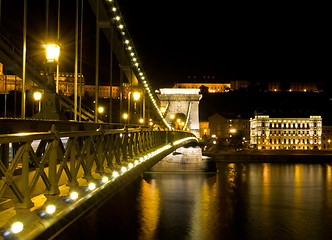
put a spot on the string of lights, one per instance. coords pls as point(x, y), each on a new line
point(55, 207)
point(133, 56)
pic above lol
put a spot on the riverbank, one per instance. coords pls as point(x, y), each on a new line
point(280, 156)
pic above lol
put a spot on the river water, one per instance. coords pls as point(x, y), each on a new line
point(182, 198)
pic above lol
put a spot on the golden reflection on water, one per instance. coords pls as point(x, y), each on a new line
point(274, 197)
point(150, 209)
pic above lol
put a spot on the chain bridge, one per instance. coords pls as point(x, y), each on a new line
point(65, 158)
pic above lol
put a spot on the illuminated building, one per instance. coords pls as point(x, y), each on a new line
point(212, 87)
point(286, 133)
point(195, 82)
point(238, 84)
point(229, 127)
point(13, 82)
point(66, 85)
point(296, 87)
point(204, 129)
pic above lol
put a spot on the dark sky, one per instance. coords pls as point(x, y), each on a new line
point(256, 41)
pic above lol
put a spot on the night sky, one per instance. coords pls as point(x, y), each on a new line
point(254, 41)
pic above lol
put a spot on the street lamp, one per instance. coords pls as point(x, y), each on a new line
point(100, 109)
point(136, 96)
point(52, 53)
point(37, 96)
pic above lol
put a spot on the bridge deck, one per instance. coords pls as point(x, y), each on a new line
point(94, 164)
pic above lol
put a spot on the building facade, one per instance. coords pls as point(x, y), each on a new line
point(286, 133)
point(327, 138)
point(225, 128)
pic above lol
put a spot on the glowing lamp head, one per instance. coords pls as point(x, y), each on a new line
point(125, 116)
point(100, 109)
point(162, 109)
point(136, 96)
point(37, 96)
point(52, 53)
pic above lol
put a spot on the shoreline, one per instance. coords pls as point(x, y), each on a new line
point(271, 156)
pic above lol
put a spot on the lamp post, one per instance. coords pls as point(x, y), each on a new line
point(37, 96)
point(136, 97)
point(100, 109)
point(125, 116)
point(52, 60)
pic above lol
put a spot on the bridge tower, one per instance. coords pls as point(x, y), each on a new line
point(182, 100)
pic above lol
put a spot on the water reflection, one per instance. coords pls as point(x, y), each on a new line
point(149, 205)
point(237, 201)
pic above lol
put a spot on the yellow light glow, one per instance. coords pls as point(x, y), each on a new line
point(52, 52)
point(141, 120)
point(136, 96)
point(100, 109)
point(37, 96)
point(172, 116)
point(92, 186)
point(125, 116)
point(50, 209)
point(104, 179)
point(232, 130)
point(214, 136)
point(74, 195)
point(162, 109)
point(115, 174)
point(17, 227)
point(151, 123)
point(178, 120)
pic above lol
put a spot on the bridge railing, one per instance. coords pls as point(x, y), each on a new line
point(54, 158)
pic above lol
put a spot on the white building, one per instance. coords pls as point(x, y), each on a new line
point(286, 133)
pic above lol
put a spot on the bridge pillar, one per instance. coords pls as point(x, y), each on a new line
point(182, 100)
